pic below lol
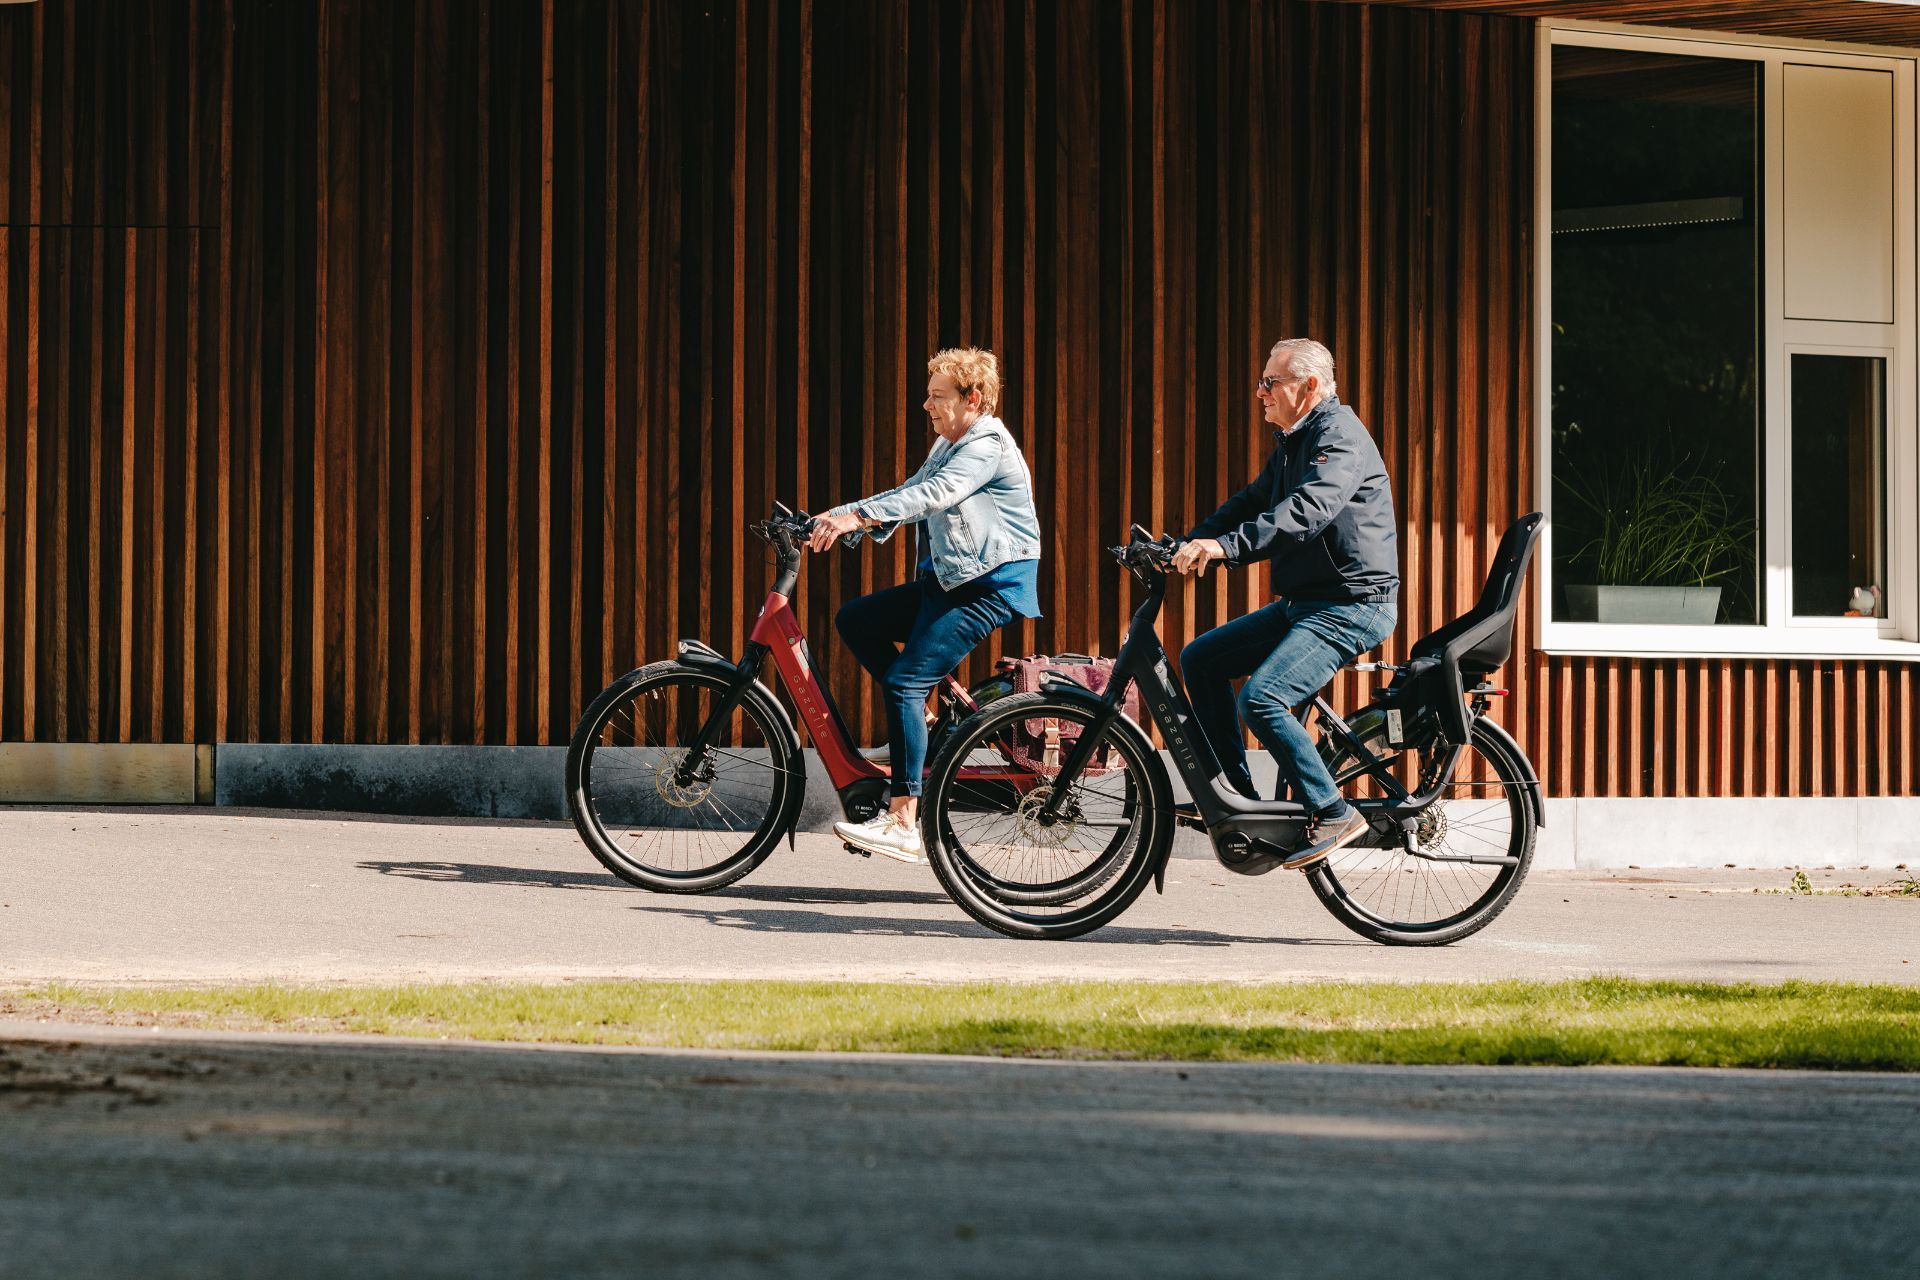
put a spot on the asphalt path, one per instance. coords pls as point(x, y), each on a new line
point(136, 1153)
point(216, 895)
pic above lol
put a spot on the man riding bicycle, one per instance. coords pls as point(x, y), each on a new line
point(1321, 512)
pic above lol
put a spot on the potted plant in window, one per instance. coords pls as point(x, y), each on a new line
point(1661, 541)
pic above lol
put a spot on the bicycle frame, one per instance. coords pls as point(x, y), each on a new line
point(1249, 836)
point(777, 633)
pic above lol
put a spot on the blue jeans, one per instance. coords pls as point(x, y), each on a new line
point(1288, 651)
point(910, 637)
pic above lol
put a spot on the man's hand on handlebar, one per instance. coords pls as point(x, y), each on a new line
point(829, 529)
point(1195, 556)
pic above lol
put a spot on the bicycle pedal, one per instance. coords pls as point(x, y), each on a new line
point(854, 848)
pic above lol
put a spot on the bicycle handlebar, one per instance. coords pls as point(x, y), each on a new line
point(782, 525)
point(1146, 551)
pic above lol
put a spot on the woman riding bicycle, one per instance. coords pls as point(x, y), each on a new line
point(977, 570)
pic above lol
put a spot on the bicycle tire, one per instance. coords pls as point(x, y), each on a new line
point(1114, 877)
point(1351, 875)
point(710, 832)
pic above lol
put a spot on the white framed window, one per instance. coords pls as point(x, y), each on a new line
point(1726, 339)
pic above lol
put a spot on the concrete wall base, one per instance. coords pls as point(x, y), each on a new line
point(528, 782)
point(1842, 832)
point(419, 781)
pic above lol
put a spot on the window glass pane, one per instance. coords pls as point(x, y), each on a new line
point(1656, 395)
point(1839, 485)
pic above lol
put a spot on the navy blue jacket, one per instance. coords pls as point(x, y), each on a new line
point(1321, 511)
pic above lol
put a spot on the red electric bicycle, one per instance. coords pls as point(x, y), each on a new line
point(682, 776)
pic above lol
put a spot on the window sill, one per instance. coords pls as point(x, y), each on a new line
point(1614, 640)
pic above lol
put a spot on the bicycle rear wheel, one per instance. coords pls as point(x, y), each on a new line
point(1011, 866)
point(1381, 891)
point(664, 821)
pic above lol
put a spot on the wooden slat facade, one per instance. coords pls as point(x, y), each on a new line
point(400, 372)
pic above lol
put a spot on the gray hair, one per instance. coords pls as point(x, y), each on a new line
point(1307, 359)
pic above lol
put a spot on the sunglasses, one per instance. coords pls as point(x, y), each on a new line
point(1268, 384)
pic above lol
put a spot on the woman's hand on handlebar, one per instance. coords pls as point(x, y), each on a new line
point(1196, 555)
point(828, 529)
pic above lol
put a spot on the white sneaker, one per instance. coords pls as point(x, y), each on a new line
point(885, 835)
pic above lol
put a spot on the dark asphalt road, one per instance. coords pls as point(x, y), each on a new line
point(131, 1153)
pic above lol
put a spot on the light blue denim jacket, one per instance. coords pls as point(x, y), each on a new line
point(975, 497)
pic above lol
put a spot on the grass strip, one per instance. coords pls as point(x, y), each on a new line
point(1843, 1026)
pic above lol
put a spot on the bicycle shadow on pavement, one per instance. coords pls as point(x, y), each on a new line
point(896, 926)
point(480, 873)
point(530, 878)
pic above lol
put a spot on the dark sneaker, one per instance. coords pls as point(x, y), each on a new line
point(1324, 835)
point(1187, 814)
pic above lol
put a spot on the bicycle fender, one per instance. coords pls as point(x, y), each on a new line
point(1505, 739)
point(1072, 690)
point(694, 653)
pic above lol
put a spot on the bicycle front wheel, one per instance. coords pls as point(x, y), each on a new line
point(1380, 890)
point(1007, 861)
point(662, 816)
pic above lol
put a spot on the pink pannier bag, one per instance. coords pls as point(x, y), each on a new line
point(1041, 744)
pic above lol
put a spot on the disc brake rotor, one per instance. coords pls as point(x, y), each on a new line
point(666, 780)
point(1037, 830)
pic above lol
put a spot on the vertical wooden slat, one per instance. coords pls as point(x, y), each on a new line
point(97, 246)
point(154, 281)
point(802, 242)
point(639, 490)
point(612, 373)
point(732, 474)
point(124, 730)
point(189, 513)
point(29, 367)
point(222, 638)
point(482, 355)
point(543, 518)
point(513, 341)
point(324, 398)
point(56, 391)
point(6, 402)
point(429, 598)
point(368, 636)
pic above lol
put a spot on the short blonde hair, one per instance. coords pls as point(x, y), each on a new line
point(971, 369)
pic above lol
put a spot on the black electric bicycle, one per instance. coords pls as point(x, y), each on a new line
point(1451, 801)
